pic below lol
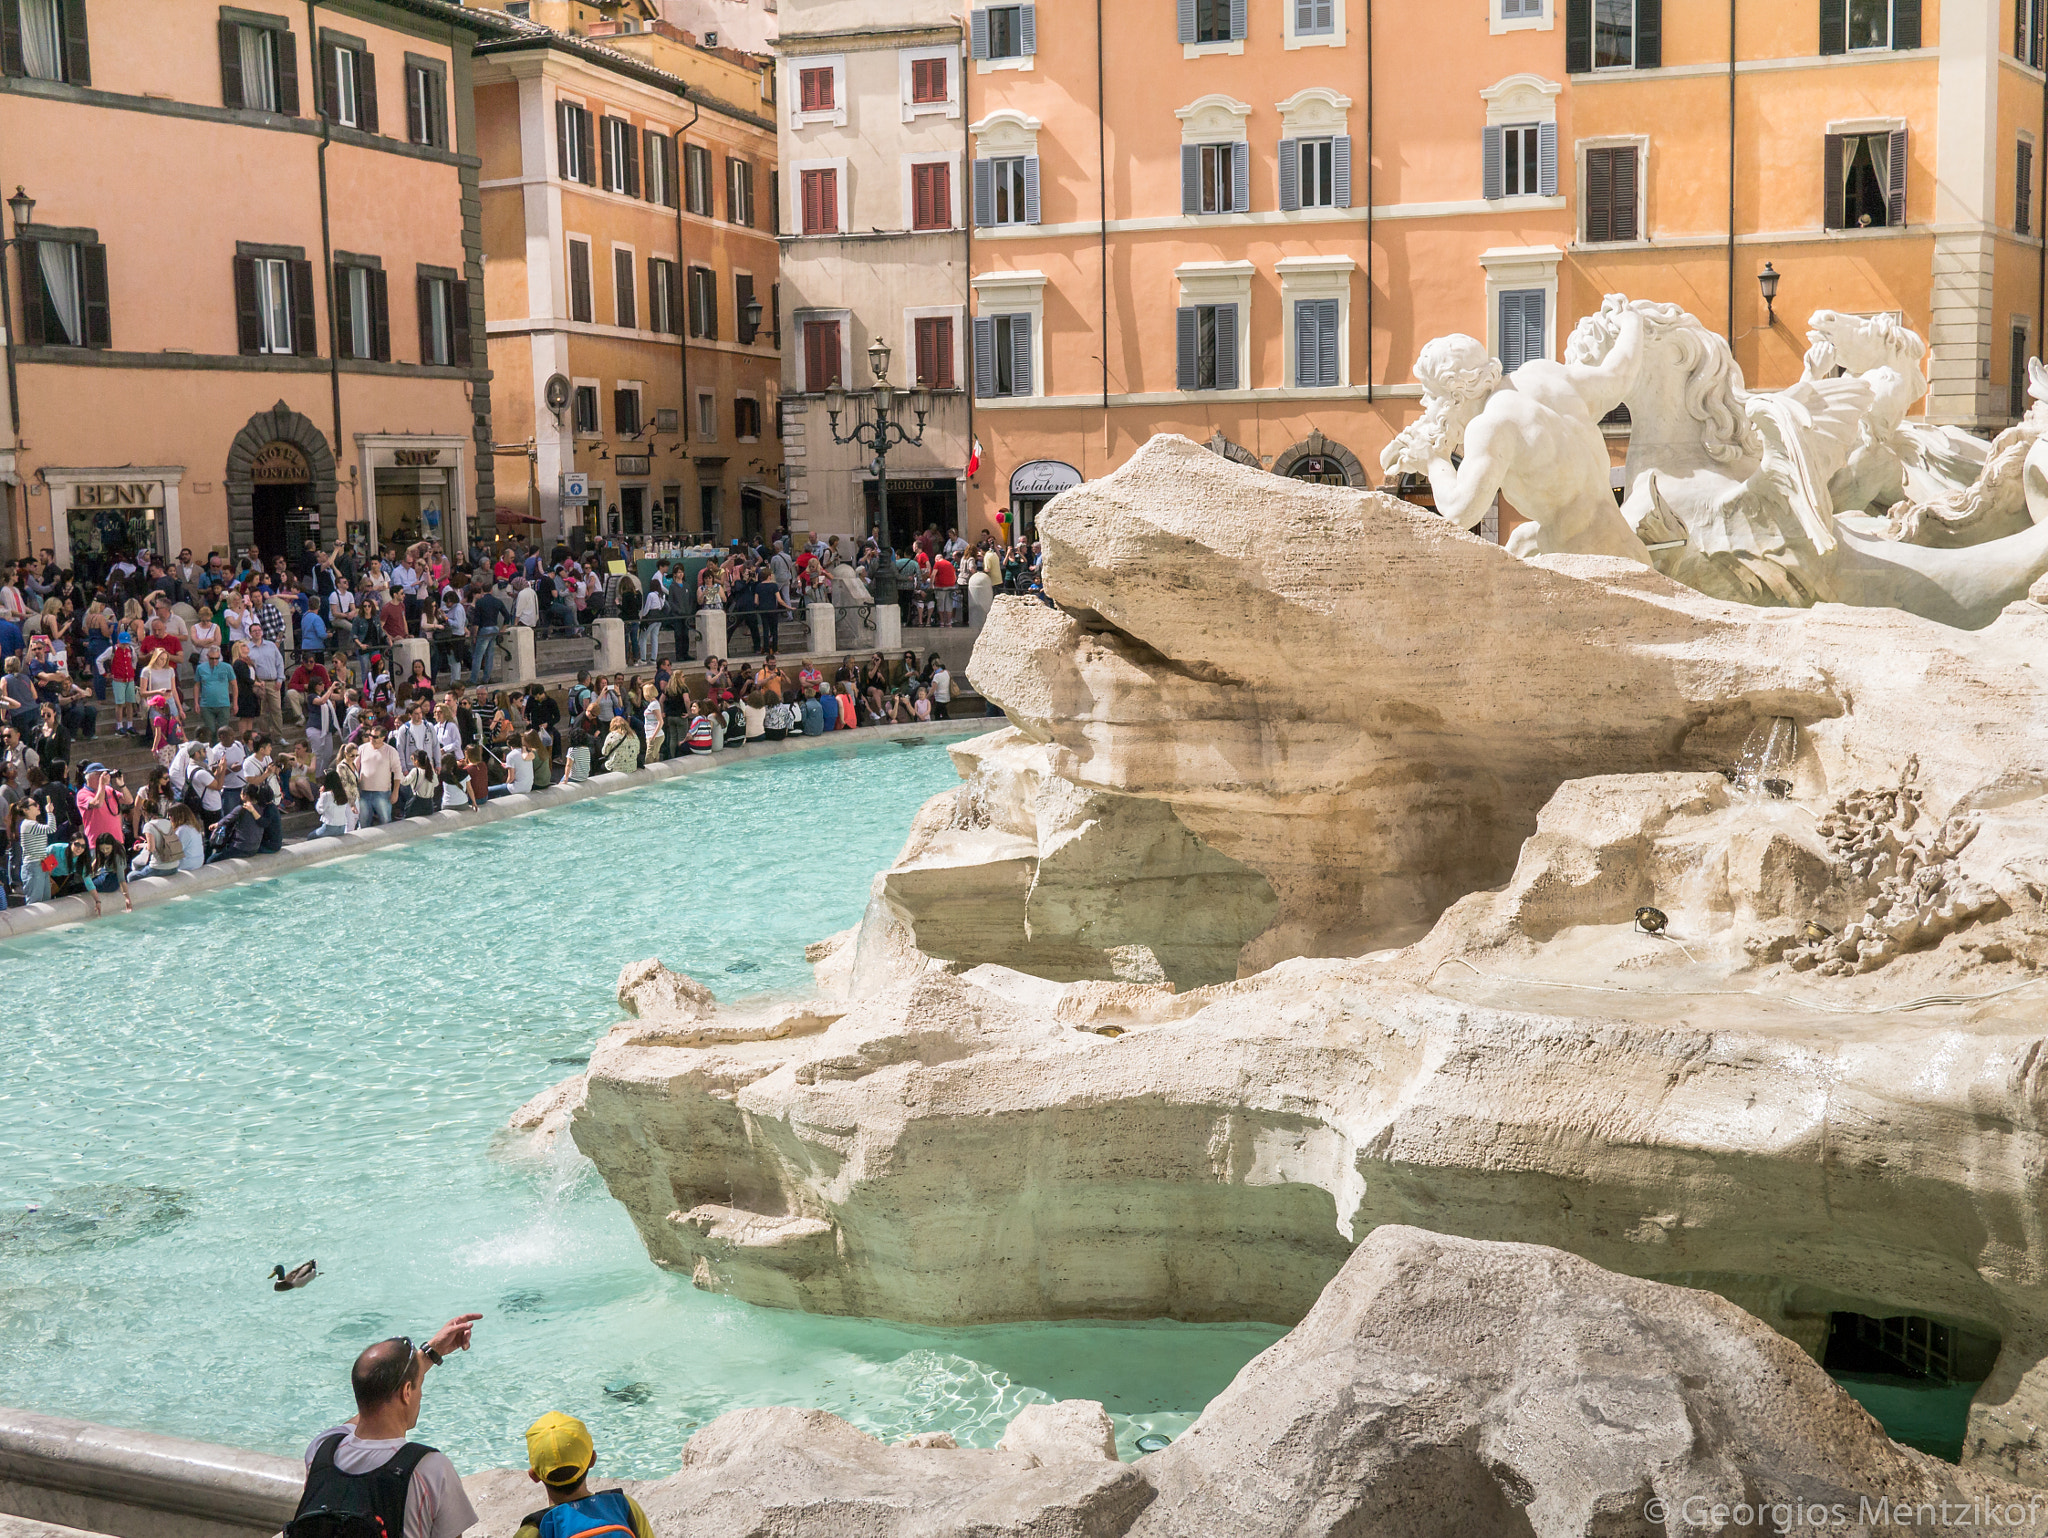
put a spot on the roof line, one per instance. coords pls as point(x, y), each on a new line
point(524, 36)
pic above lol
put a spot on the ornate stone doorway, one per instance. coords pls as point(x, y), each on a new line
point(1318, 460)
point(280, 485)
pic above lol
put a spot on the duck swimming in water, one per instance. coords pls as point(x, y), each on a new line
point(298, 1276)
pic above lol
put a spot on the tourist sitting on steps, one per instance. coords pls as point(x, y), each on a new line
point(363, 1477)
point(559, 1455)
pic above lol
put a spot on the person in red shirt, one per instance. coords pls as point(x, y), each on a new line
point(503, 568)
point(392, 618)
point(122, 663)
point(944, 579)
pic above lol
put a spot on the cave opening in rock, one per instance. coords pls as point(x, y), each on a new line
point(1916, 1375)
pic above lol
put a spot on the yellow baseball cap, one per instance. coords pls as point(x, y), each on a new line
point(558, 1448)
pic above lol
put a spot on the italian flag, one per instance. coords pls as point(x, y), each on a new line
point(974, 457)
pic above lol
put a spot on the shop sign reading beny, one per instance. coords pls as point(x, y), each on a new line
point(117, 494)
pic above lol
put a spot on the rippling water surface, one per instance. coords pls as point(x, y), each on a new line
point(320, 1065)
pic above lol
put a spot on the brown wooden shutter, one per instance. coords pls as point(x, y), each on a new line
point(622, 413)
point(942, 353)
point(34, 328)
point(11, 60)
point(330, 83)
point(710, 304)
point(604, 149)
point(92, 276)
point(424, 296)
point(416, 109)
point(742, 292)
point(1599, 195)
point(775, 313)
point(1624, 216)
point(584, 120)
point(366, 88)
point(380, 297)
point(77, 56)
point(344, 316)
point(287, 74)
point(305, 340)
point(1831, 182)
point(815, 376)
point(923, 368)
point(652, 156)
point(630, 143)
point(248, 308)
point(458, 321)
point(230, 64)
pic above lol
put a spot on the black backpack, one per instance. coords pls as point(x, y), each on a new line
point(371, 1505)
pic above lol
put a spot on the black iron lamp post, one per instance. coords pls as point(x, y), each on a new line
point(22, 207)
point(882, 431)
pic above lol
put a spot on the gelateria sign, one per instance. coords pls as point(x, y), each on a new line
point(1044, 478)
point(98, 494)
point(280, 464)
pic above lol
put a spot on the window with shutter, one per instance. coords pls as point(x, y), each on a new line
point(821, 355)
point(579, 281)
point(928, 80)
point(44, 40)
point(1614, 34)
point(2028, 16)
point(742, 296)
point(426, 100)
point(1314, 18)
point(458, 324)
point(821, 202)
point(739, 191)
point(2023, 189)
point(931, 196)
point(2016, 372)
point(623, 306)
point(1007, 31)
point(1865, 177)
point(305, 340)
point(697, 179)
point(935, 352)
point(1611, 192)
point(704, 303)
point(814, 90)
point(1521, 326)
point(92, 283)
point(1870, 24)
point(586, 409)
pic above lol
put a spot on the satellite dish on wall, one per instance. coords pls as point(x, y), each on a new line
point(557, 393)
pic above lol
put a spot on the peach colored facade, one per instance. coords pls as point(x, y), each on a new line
point(1445, 226)
point(629, 283)
point(149, 410)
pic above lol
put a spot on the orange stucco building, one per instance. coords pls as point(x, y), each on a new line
point(247, 310)
point(628, 213)
point(1241, 219)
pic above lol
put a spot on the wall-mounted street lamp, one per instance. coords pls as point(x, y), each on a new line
point(21, 206)
point(1767, 280)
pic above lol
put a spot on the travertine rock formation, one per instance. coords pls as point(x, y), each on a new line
point(1439, 1387)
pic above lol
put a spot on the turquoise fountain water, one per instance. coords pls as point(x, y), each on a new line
point(321, 1065)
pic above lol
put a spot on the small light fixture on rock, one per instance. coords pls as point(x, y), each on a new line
point(1814, 930)
point(1651, 921)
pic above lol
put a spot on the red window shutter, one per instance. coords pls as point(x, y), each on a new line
point(927, 80)
point(821, 202)
point(935, 352)
point(924, 352)
point(817, 90)
point(931, 196)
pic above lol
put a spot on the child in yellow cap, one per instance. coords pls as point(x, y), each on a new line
point(559, 1454)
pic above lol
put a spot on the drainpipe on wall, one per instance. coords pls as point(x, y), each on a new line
point(967, 296)
point(683, 272)
point(1731, 183)
point(1102, 218)
point(1369, 151)
point(327, 266)
point(2018, 408)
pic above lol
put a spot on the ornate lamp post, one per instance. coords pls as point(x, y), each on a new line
point(21, 207)
point(882, 432)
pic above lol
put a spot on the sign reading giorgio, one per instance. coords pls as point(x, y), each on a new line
point(1043, 478)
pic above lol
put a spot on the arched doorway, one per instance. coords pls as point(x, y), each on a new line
point(280, 486)
point(1236, 453)
point(1321, 462)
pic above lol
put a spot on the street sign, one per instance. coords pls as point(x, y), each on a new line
point(575, 486)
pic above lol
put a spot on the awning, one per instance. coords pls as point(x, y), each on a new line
point(766, 491)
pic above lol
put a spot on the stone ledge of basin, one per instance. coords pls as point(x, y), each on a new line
point(153, 890)
point(29, 1527)
point(147, 1469)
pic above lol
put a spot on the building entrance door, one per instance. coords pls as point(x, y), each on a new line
point(633, 511)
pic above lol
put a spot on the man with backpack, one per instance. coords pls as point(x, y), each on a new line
point(559, 1455)
point(363, 1478)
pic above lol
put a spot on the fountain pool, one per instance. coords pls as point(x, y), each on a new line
point(321, 1065)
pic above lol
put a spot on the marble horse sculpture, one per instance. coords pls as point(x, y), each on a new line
point(1730, 492)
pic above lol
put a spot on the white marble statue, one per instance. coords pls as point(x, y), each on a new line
point(2008, 492)
point(1894, 459)
point(1732, 493)
point(1533, 437)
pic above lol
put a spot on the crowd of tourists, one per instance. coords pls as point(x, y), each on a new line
point(206, 664)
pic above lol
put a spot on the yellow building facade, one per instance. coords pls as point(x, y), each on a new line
point(1241, 219)
point(630, 277)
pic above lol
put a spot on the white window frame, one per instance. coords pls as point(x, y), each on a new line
point(650, 174)
point(1012, 293)
point(1291, 40)
point(732, 183)
point(573, 151)
point(1634, 33)
point(632, 266)
point(950, 107)
point(1008, 61)
point(597, 390)
point(441, 298)
point(626, 130)
point(706, 398)
point(1519, 267)
point(957, 313)
point(1224, 45)
point(793, 189)
point(1221, 283)
point(1498, 21)
point(953, 180)
point(274, 297)
point(793, 89)
point(800, 318)
point(362, 319)
point(1891, 26)
point(1315, 277)
point(348, 84)
point(1641, 144)
point(675, 288)
point(1317, 112)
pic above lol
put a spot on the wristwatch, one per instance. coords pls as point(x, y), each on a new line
point(432, 1355)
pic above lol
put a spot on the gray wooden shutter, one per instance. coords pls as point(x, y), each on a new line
point(92, 277)
point(1492, 160)
point(1241, 178)
point(1832, 214)
point(380, 299)
point(230, 62)
point(1020, 353)
point(1511, 332)
point(1578, 36)
point(1599, 214)
point(1626, 185)
point(564, 128)
point(1329, 339)
point(1186, 331)
point(329, 77)
point(1238, 28)
point(1226, 347)
point(1191, 178)
point(78, 57)
point(1905, 22)
point(34, 328)
point(1305, 349)
point(1834, 26)
point(1895, 179)
point(630, 143)
point(366, 89)
point(1187, 21)
point(1546, 152)
point(1649, 34)
point(978, 34)
point(2023, 190)
point(458, 322)
point(305, 341)
point(984, 193)
point(1027, 29)
point(1031, 189)
point(1340, 160)
point(984, 352)
point(344, 315)
point(1290, 175)
point(11, 60)
point(584, 122)
point(287, 74)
